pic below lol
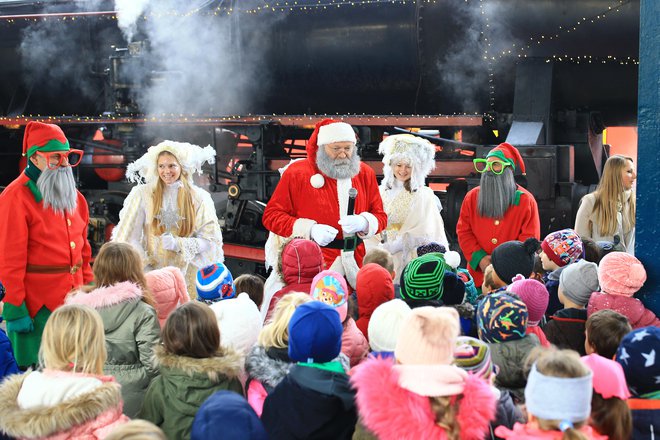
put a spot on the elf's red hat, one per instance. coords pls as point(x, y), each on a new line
point(43, 137)
point(508, 153)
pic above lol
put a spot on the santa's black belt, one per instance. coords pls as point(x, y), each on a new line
point(38, 268)
point(347, 244)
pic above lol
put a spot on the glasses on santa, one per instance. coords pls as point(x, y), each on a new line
point(496, 166)
point(56, 159)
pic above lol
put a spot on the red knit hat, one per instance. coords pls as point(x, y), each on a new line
point(43, 137)
point(508, 153)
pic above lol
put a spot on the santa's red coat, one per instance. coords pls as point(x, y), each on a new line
point(30, 234)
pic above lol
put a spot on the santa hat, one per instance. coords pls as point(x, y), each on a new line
point(417, 152)
point(43, 137)
point(326, 132)
point(510, 154)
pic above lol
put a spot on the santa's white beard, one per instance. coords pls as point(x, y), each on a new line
point(337, 168)
point(58, 189)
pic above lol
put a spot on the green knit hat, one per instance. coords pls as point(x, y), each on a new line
point(423, 277)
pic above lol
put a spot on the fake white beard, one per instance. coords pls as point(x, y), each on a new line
point(58, 189)
point(496, 193)
point(337, 168)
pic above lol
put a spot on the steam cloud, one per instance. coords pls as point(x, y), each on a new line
point(128, 12)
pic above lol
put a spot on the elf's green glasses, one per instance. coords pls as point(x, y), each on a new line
point(496, 166)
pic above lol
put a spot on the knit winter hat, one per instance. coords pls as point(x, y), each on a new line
point(510, 154)
point(411, 149)
point(619, 273)
point(214, 283)
point(563, 247)
point(514, 257)
point(534, 294)
point(609, 380)
point(240, 322)
point(473, 355)
point(501, 318)
point(314, 333)
point(430, 247)
point(385, 325)
point(330, 288)
point(227, 415)
point(423, 277)
point(168, 288)
point(428, 336)
point(578, 281)
point(453, 289)
point(637, 355)
point(43, 137)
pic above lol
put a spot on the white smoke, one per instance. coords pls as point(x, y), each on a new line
point(128, 13)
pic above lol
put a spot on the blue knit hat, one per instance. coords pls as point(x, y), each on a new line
point(637, 355)
point(227, 415)
point(215, 283)
point(314, 333)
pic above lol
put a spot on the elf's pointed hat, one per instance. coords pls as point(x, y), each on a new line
point(43, 137)
point(508, 153)
point(328, 131)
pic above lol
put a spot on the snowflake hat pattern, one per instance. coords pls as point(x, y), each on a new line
point(637, 355)
point(501, 318)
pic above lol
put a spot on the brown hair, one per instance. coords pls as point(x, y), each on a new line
point(253, 285)
point(445, 415)
point(118, 262)
point(381, 257)
point(609, 194)
point(184, 202)
point(192, 330)
point(592, 251)
point(605, 329)
point(611, 417)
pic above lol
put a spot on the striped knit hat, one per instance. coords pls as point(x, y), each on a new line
point(473, 356)
point(423, 278)
point(214, 283)
point(501, 318)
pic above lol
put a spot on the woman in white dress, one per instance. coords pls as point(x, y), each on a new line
point(169, 219)
point(413, 210)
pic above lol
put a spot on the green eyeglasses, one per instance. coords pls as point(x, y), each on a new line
point(496, 166)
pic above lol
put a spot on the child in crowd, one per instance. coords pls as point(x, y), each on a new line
point(330, 288)
point(315, 399)
point(637, 354)
point(604, 331)
point(268, 361)
point(137, 430)
point(382, 258)
point(610, 414)
point(557, 398)
point(192, 367)
point(8, 364)
point(168, 288)
point(385, 327)
point(129, 320)
point(537, 273)
point(559, 249)
point(69, 398)
point(373, 287)
point(251, 284)
point(507, 260)
point(422, 395)
point(535, 296)
point(298, 263)
point(565, 329)
point(621, 275)
point(228, 416)
point(502, 324)
point(422, 281)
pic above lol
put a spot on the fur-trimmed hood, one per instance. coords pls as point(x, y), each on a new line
point(227, 363)
point(83, 414)
point(267, 370)
point(392, 412)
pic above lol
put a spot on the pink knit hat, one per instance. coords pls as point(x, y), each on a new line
point(619, 273)
point(168, 288)
point(609, 380)
point(428, 336)
point(534, 294)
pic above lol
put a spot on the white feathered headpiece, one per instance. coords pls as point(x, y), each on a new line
point(191, 157)
point(416, 151)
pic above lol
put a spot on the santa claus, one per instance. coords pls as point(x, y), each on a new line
point(312, 199)
point(496, 211)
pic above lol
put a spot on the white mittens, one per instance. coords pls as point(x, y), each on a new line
point(169, 242)
point(393, 246)
point(353, 224)
point(323, 234)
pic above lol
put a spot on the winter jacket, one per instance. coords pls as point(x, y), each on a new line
point(525, 432)
point(566, 329)
point(510, 357)
point(374, 287)
point(391, 412)
point(508, 413)
point(646, 418)
point(183, 385)
point(310, 403)
point(265, 368)
point(353, 343)
point(551, 281)
point(538, 331)
point(131, 331)
point(630, 307)
point(7, 361)
point(168, 288)
point(62, 406)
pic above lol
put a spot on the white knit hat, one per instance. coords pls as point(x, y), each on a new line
point(416, 151)
point(335, 132)
point(385, 324)
point(240, 322)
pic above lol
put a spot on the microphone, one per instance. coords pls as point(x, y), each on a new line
point(351, 241)
point(352, 194)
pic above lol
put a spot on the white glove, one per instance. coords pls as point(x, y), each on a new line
point(353, 224)
point(393, 247)
point(169, 242)
point(323, 234)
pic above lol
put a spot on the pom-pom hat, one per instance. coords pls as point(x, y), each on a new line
point(510, 154)
point(619, 273)
point(413, 150)
point(43, 137)
point(513, 257)
point(190, 157)
point(563, 247)
point(314, 333)
point(214, 283)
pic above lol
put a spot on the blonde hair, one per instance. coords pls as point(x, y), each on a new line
point(74, 340)
point(609, 194)
point(137, 430)
point(184, 203)
point(276, 333)
point(118, 262)
point(381, 257)
point(445, 415)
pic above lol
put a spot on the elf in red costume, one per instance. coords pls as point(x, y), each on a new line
point(496, 211)
point(311, 200)
point(44, 252)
